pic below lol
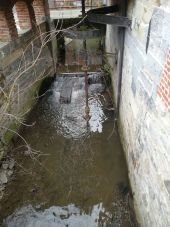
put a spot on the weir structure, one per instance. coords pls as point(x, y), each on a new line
point(138, 43)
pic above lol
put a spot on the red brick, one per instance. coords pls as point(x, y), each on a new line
point(164, 87)
point(8, 29)
point(165, 71)
point(165, 97)
point(167, 68)
point(159, 93)
point(39, 9)
point(23, 15)
point(29, 13)
point(168, 62)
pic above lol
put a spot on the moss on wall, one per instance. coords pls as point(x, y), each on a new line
point(31, 96)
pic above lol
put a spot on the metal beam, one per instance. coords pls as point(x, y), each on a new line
point(118, 21)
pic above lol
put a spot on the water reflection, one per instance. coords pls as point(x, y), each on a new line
point(76, 165)
point(70, 215)
point(69, 118)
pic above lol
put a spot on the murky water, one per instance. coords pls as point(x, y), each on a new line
point(75, 173)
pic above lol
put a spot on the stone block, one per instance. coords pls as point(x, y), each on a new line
point(138, 10)
point(147, 15)
point(135, 49)
point(144, 123)
point(167, 185)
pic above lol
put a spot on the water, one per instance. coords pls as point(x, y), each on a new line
point(69, 173)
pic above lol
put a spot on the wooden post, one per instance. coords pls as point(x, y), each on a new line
point(83, 7)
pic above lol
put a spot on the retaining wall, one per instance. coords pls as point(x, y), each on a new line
point(23, 64)
point(144, 120)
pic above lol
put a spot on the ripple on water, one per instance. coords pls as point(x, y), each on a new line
point(78, 164)
point(68, 119)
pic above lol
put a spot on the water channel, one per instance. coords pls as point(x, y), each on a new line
point(75, 173)
point(71, 172)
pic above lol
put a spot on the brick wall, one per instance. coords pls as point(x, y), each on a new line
point(27, 14)
point(39, 10)
point(23, 15)
point(4, 31)
point(8, 29)
point(164, 86)
point(46, 8)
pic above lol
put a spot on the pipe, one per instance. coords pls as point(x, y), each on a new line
point(86, 90)
point(85, 69)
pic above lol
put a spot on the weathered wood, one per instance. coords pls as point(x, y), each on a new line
point(118, 21)
point(83, 7)
point(104, 10)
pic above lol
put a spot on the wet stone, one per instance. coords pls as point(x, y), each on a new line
point(3, 178)
point(66, 91)
point(2, 187)
point(5, 166)
point(1, 194)
point(94, 78)
point(11, 164)
point(167, 185)
point(10, 172)
point(65, 96)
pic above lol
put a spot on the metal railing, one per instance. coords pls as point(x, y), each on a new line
point(73, 4)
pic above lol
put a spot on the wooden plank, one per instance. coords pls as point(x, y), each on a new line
point(104, 10)
point(118, 21)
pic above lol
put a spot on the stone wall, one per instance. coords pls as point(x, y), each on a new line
point(112, 55)
point(23, 64)
point(144, 120)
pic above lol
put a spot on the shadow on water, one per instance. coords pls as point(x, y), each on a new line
point(75, 174)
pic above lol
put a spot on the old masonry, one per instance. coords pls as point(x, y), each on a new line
point(140, 72)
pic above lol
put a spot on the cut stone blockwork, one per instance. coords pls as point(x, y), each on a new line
point(164, 87)
point(23, 16)
point(22, 83)
point(145, 100)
